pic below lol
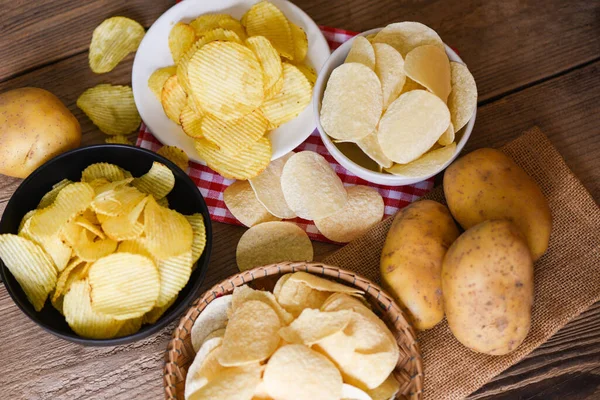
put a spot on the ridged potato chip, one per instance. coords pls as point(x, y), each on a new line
point(293, 98)
point(118, 139)
point(387, 390)
point(111, 108)
point(429, 66)
point(427, 164)
point(264, 19)
point(272, 92)
point(244, 165)
point(311, 187)
point(244, 293)
point(463, 97)
point(269, 59)
point(199, 231)
point(91, 248)
point(25, 219)
point(390, 71)
point(405, 36)
point(243, 204)
point(116, 201)
point(130, 326)
point(158, 181)
point(173, 98)
point(371, 147)
point(300, 42)
point(124, 285)
point(448, 136)
point(272, 242)
point(87, 224)
point(110, 172)
point(126, 225)
point(351, 87)
point(230, 383)
point(174, 274)
point(208, 22)
point(112, 41)
point(67, 276)
point(154, 315)
point(235, 136)
point(58, 251)
point(267, 187)
point(212, 318)
point(361, 52)
point(312, 326)
point(49, 197)
point(233, 25)
point(159, 77)
point(30, 266)
point(181, 38)
point(411, 125)
point(175, 155)
point(363, 209)
point(309, 72)
point(191, 121)
point(167, 233)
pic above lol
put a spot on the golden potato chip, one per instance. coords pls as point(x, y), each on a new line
point(235, 136)
point(293, 98)
point(111, 108)
point(167, 233)
point(191, 121)
point(242, 203)
point(135, 246)
point(124, 285)
point(429, 66)
point(199, 231)
point(164, 202)
point(244, 165)
point(227, 79)
point(361, 52)
point(251, 335)
point(269, 60)
point(175, 155)
point(26, 218)
point(118, 139)
point(390, 71)
point(159, 77)
point(371, 147)
point(370, 37)
point(71, 273)
point(59, 252)
point(102, 185)
point(313, 325)
point(91, 248)
point(110, 172)
point(208, 22)
point(174, 274)
point(205, 366)
point(126, 225)
point(112, 41)
point(462, 101)
point(87, 224)
point(448, 136)
point(272, 92)
point(272, 242)
point(426, 165)
point(173, 98)
point(49, 197)
point(244, 293)
point(30, 266)
point(181, 38)
point(212, 318)
point(197, 108)
point(309, 72)
point(296, 372)
point(130, 326)
point(233, 25)
point(351, 87)
point(300, 42)
point(387, 390)
point(410, 85)
point(267, 188)
point(303, 174)
point(405, 36)
point(153, 315)
point(264, 19)
point(231, 383)
point(411, 125)
point(158, 182)
point(116, 201)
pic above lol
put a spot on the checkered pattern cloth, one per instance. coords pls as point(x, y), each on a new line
point(212, 185)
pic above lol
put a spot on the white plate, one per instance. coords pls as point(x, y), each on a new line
point(154, 53)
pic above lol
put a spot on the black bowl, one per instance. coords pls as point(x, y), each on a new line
point(185, 198)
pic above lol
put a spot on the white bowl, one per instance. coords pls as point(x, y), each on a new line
point(154, 53)
point(337, 58)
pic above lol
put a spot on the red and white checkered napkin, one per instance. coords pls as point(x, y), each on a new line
point(212, 185)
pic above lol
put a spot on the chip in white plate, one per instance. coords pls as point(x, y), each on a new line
point(429, 66)
point(361, 52)
point(463, 97)
point(405, 36)
point(427, 164)
point(390, 71)
point(371, 147)
point(447, 137)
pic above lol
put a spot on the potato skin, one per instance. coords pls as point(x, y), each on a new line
point(487, 279)
point(411, 260)
point(486, 184)
point(34, 127)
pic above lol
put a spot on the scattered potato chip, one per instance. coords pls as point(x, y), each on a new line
point(173, 98)
point(300, 42)
point(174, 274)
point(361, 52)
point(411, 125)
point(405, 36)
point(462, 101)
point(158, 181)
point(244, 165)
point(112, 41)
point(363, 209)
point(235, 136)
point(308, 72)
point(118, 139)
point(311, 187)
point(231, 383)
point(111, 108)
point(448, 136)
point(264, 19)
point(242, 294)
point(371, 147)
point(351, 87)
point(267, 188)
point(429, 66)
point(181, 38)
point(390, 71)
point(110, 172)
point(191, 121)
point(199, 231)
point(312, 326)
point(272, 242)
point(167, 233)
point(426, 165)
point(243, 204)
point(159, 77)
point(269, 59)
point(175, 155)
point(205, 366)
point(212, 318)
point(49, 197)
point(387, 390)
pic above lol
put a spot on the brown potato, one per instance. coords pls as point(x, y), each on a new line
point(486, 184)
point(487, 279)
point(411, 260)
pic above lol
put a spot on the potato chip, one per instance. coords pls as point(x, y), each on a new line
point(158, 181)
point(111, 108)
point(175, 155)
point(205, 366)
point(112, 41)
point(371, 147)
point(313, 325)
point(235, 136)
point(126, 225)
point(181, 38)
point(429, 66)
point(24, 220)
point(173, 98)
point(272, 92)
point(426, 165)
point(159, 77)
point(269, 60)
point(154, 315)
point(294, 97)
point(410, 85)
point(308, 72)
point(208, 22)
point(405, 36)
point(411, 125)
point(102, 185)
point(296, 372)
point(279, 284)
point(167, 233)
point(231, 383)
point(311, 187)
point(242, 203)
point(267, 188)
point(351, 87)
point(233, 25)
point(244, 165)
point(199, 231)
point(361, 52)
point(321, 284)
point(300, 42)
point(272, 242)
point(448, 136)
point(390, 71)
point(124, 285)
point(264, 19)
point(370, 37)
point(71, 273)
point(387, 390)
point(191, 121)
point(350, 392)
point(227, 79)
point(117, 201)
point(118, 139)
point(242, 294)
point(462, 101)
point(110, 172)
point(91, 248)
point(87, 224)
point(30, 266)
point(212, 318)
point(59, 252)
point(174, 274)
point(130, 326)
point(295, 296)
point(49, 197)
point(251, 335)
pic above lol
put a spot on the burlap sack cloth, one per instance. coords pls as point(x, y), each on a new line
point(567, 277)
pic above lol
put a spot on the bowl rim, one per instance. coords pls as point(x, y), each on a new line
point(379, 178)
point(167, 317)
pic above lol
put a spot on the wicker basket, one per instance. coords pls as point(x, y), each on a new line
point(409, 370)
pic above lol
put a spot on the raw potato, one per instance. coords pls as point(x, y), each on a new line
point(34, 127)
point(486, 184)
point(487, 279)
point(411, 260)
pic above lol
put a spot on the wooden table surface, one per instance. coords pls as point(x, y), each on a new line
point(535, 63)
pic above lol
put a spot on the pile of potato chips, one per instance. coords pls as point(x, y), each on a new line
point(400, 99)
point(108, 251)
point(233, 82)
point(311, 338)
